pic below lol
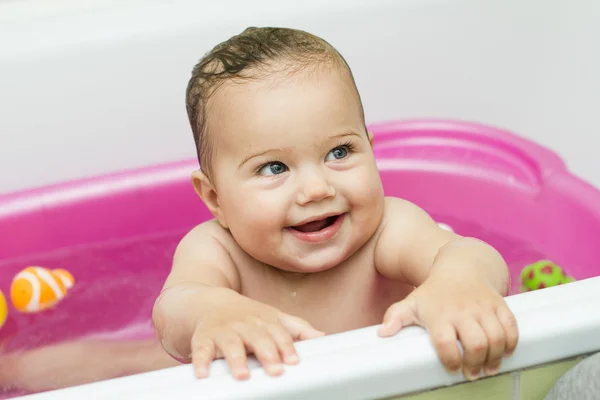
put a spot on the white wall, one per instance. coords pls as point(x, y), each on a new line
point(94, 86)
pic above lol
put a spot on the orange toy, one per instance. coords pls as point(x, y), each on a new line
point(36, 289)
point(3, 310)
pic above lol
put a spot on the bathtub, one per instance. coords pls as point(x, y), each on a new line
point(85, 131)
point(117, 233)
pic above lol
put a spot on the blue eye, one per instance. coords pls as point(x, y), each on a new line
point(337, 153)
point(272, 168)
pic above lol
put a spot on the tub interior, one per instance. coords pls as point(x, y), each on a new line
point(117, 233)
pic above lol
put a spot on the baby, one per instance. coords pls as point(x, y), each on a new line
point(304, 242)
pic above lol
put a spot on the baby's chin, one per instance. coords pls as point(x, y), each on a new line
point(309, 269)
point(312, 263)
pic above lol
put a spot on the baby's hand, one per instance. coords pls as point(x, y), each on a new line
point(245, 326)
point(471, 311)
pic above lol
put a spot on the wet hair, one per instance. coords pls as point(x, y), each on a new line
point(254, 53)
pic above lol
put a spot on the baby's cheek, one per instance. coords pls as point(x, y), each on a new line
point(264, 213)
point(367, 188)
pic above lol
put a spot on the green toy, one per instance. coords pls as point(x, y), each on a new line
point(543, 274)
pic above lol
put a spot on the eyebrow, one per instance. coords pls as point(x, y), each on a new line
point(281, 149)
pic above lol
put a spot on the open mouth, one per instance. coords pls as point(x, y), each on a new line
point(316, 226)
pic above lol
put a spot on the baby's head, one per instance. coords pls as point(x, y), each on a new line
point(281, 140)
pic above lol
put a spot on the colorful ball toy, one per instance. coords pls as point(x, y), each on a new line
point(37, 289)
point(543, 274)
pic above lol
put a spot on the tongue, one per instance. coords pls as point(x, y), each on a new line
point(312, 226)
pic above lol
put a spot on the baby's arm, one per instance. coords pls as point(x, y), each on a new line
point(200, 314)
point(460, 283)
point(412, 247)
point(202, 271)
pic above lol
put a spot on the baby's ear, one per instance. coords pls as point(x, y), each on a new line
point(370, 136)
point(207, 192)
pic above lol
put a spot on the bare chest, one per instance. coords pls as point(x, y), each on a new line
point(344, 298)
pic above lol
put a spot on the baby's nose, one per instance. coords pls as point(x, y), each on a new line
point(315, 189)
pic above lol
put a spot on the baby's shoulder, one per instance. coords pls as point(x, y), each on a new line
point(395, 207)
point(211, 236)
point(205, 231)
point(396, 213)
point(207, 252)
point(209, 232)
point(402, 216)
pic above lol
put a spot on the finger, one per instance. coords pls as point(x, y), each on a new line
point(234, 352)
point(284, 342)
point(263, 346)
point(496, 338)
point(475, 346)
point(298, 328)
point(397, 316)
point(511, 331)
point(203, 353)
point(445, 341)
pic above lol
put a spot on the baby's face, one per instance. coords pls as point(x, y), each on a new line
point(293, 169)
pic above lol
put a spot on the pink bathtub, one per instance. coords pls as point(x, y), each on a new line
point(117, 233)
